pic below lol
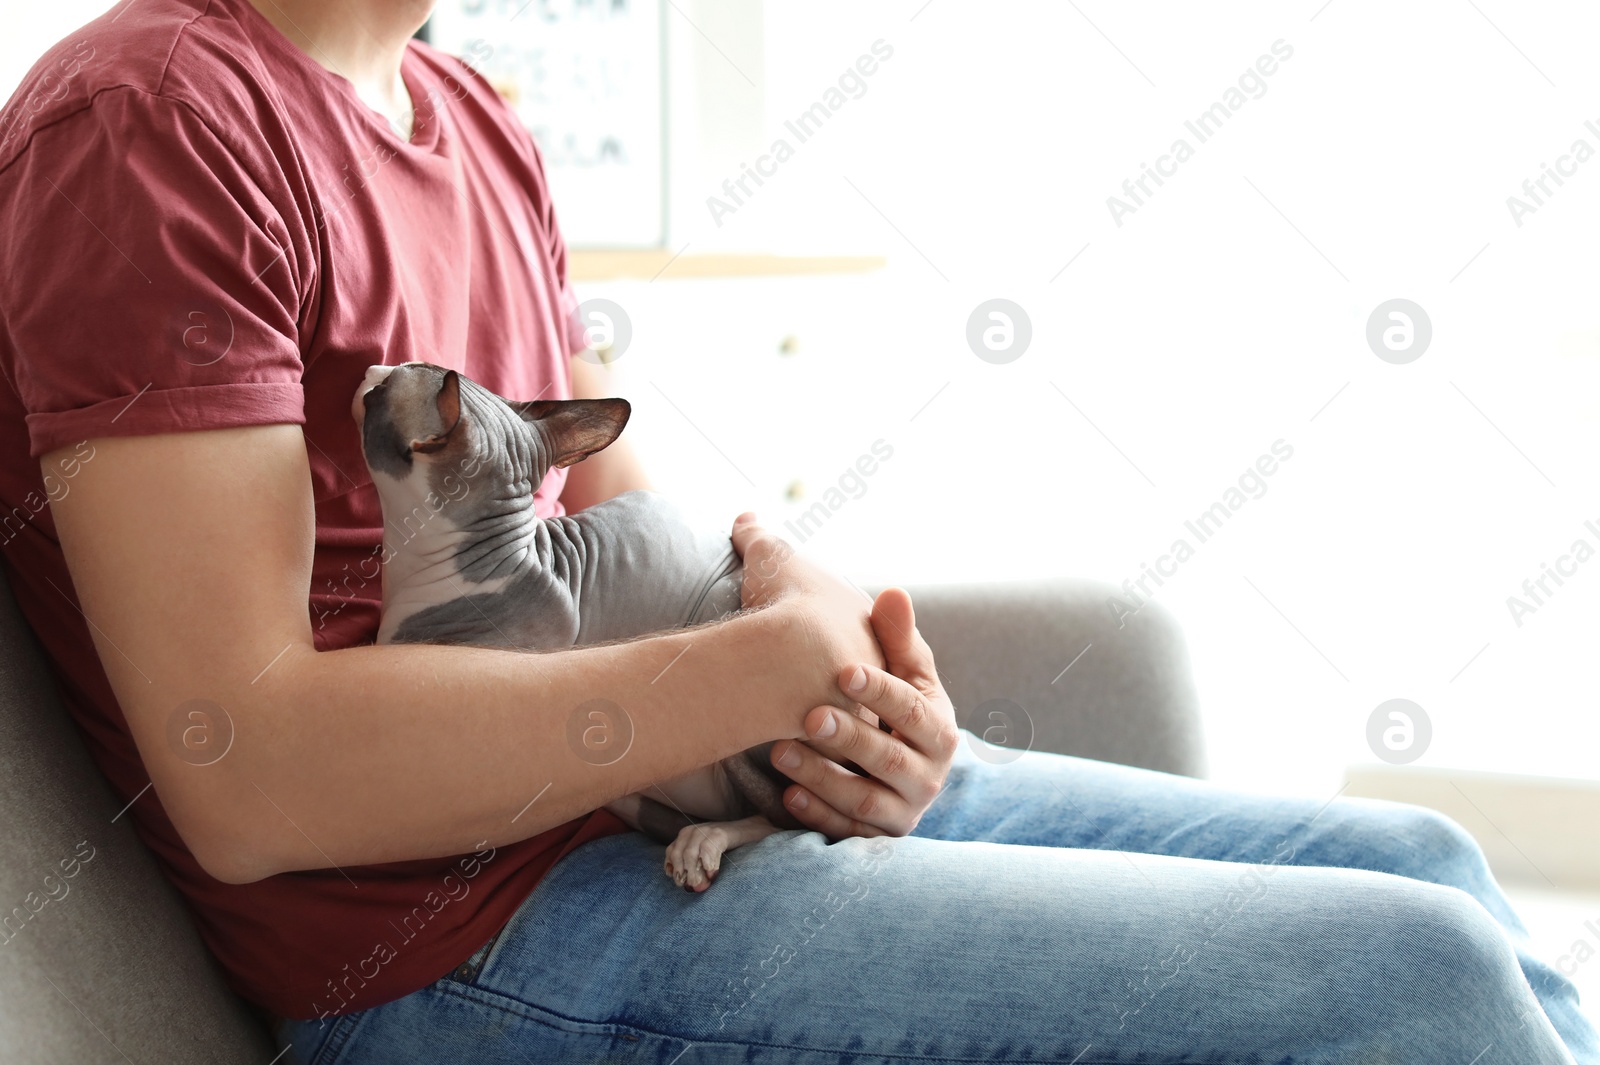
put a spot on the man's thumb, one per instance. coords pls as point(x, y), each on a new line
point(745, 531)
point(894, 622)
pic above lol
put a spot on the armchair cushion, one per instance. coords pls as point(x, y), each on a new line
point(1053, 648)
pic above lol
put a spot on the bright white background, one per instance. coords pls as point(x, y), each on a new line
point(1227, 313)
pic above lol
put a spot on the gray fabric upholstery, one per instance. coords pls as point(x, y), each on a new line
point(1129, 698)
point(115, 965)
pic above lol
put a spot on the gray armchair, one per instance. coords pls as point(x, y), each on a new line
point(115, 971)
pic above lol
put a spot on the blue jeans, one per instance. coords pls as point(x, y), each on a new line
point(1049, 909)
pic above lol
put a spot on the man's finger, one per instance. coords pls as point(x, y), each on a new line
point(746, 531)
point(873, 799)
point(818, 816)
point(909, 712)
point(894, 623)
point(763, 555)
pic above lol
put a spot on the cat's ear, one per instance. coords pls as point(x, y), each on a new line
point(575, 428)
point(449, 403)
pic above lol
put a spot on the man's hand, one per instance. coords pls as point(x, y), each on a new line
point(828, 616)
point(907, 766)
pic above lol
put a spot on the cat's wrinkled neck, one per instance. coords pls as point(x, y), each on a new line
point(461, 545)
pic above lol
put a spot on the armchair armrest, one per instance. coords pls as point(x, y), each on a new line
point(1054, 649)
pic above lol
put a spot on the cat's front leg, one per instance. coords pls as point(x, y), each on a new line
point(694, 858)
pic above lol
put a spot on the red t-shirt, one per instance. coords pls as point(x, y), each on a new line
point(203, 228)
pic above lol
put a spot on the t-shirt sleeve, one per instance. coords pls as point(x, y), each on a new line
point(148, 282)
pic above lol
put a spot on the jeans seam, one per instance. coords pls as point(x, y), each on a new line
point(511, 1004)
point(331, 1050)
point(493, 999)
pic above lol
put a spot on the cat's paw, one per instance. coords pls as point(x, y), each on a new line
point(695, 857)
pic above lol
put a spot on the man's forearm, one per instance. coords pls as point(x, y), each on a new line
point(377, 754)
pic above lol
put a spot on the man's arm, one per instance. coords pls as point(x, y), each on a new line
point(191, 555)
point(607, 473)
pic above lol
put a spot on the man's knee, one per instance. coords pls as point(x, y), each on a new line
point(1410, 841)
point(1436, 944)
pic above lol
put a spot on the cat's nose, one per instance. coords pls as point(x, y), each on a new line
point(374, 378)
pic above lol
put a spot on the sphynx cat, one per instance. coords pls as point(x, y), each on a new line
point(466, 561)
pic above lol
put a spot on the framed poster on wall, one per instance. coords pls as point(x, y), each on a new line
point(586, 77)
